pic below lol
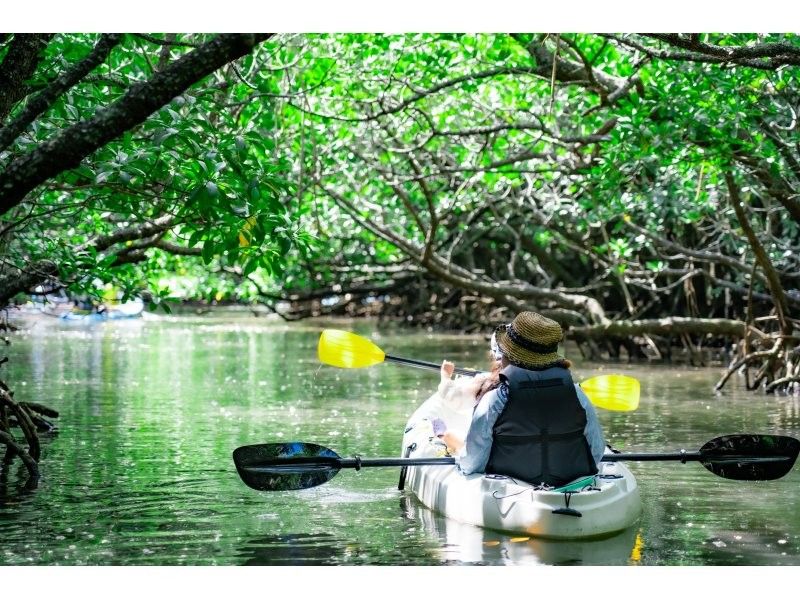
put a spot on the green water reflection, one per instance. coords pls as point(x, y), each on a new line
point(141, 471)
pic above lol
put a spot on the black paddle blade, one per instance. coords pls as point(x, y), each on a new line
point(285, 466)
point(750, 456)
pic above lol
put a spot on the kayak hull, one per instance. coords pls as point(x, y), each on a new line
point(469, 544)
point(609, 504)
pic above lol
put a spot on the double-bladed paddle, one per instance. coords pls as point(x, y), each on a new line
point(344, 349)
point(300, 465)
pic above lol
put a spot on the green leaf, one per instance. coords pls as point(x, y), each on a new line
point(208, 251)
point(250, 266)
point(196, 237)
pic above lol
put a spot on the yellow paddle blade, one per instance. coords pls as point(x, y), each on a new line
point(347, 350)
point(613, 392)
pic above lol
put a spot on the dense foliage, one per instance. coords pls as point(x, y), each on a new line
point(581, 172)
point(637, 187)
point(192, 178)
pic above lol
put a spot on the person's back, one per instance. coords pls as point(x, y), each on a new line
point(537, 426)
point(539, 435)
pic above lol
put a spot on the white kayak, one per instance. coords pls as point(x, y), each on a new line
point(596, 506)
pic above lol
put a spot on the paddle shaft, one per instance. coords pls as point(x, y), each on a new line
point(427, 365)
point(302, 463)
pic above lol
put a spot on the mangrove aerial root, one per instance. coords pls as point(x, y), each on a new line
point(776, 368)
point(28, 417)
point(14, 449)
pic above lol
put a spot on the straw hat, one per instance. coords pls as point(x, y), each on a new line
point(531, 341)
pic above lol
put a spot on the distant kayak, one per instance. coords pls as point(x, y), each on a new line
point(121, 311)
point(593, 506)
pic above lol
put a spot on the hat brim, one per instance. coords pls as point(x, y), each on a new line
point(522, 357)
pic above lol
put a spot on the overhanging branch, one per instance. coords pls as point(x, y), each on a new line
point(66, 151)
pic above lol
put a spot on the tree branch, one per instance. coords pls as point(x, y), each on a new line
point(775, 287)
point(671, 325)
point(142, 99)
point(19, 65)
point(21, 281)
point(768, 56)
point(45, 98)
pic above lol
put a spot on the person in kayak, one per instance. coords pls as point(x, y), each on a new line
point(536, 425)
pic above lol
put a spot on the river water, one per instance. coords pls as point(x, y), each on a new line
point(140, 469)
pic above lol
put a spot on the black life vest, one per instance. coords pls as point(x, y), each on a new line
point(538, 437)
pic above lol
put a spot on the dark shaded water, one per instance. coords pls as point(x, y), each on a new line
point(140, 471)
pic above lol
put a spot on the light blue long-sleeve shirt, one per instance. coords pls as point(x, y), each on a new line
point(474, 456)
